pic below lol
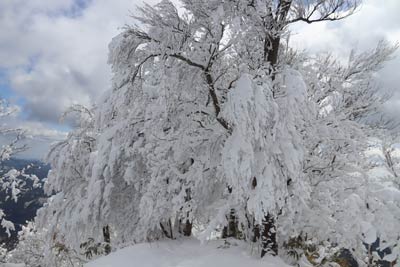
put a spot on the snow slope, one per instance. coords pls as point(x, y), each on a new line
point(186, 253)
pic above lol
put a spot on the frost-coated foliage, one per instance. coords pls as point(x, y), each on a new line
point(347, 204)
point(12, 181)
point(197, 125)
point(8, 149)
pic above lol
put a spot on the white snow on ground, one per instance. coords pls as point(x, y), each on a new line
point(186, 253)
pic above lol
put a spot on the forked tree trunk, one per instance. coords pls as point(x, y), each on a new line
point(273, 37)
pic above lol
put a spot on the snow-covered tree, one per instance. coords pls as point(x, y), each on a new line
point(11, 182)
point(337, 165)
point(170, 136)
point(198, 129)
point(35, 250)
point(16, 134)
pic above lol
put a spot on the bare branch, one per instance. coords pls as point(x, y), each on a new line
point(322, 10)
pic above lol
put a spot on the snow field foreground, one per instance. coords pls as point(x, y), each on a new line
point(187, 253)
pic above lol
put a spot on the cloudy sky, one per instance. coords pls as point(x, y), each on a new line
point(53, 53)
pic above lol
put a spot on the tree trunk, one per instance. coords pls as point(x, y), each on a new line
point(275, 27)
point(167, 229)
point(256, 233)
point(268, 236)
point(271, 54)
point(271, 49)
point(107, 239)
point(369, 255)
point(232, 229)
point(185, 228)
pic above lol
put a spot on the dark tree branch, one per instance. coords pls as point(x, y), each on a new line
point(188, 61)
point(309, 21)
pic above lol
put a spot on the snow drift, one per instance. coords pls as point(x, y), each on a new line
point(187, 253)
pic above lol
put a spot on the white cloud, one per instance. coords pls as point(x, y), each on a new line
point(55, 53)
point(37, 130)
point(38, 138)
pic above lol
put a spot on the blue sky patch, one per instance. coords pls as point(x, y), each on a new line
point(5, 90)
